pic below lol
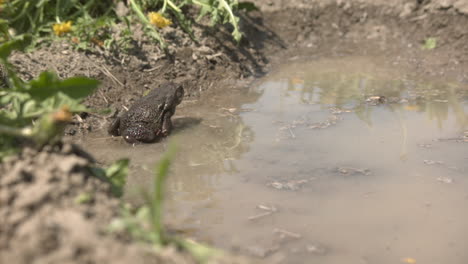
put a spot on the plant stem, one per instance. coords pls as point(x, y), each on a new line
point(153, 32)
point(17, 132)
point(173, 6)
point(236, 33)
point(201, 4)
point(162, 170)
point(163, 9)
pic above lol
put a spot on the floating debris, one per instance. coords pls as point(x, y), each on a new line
point(247, 110)
point(376, 100)
point(462, 138)
point(445, 179)
point(288, 128)
point(255, 217)
point(230, 110)
point(291, 132)
point(425, 145)
point(332, 120)
point(261, 252)
point(454, 168)
point(289, 185)
point(316, 249)
point(286, 234)
point(351, 170)
point(337, 111)
point(269, 210)
point(433, 162)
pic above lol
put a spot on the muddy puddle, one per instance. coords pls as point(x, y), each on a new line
point(346, 160)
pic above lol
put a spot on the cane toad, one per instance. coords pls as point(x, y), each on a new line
point(149, 118)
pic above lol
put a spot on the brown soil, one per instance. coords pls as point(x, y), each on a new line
point(40, 221)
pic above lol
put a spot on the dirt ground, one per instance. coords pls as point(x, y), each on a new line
point(39, 220)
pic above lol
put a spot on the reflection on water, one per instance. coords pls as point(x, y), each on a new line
point(335, 161)
point(346, 87)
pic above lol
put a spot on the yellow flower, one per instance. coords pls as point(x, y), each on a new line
point(62, 28)
point(158, 20)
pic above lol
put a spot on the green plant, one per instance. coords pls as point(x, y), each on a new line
point(89, 23)
point(149, 29)
point(38, 17)
point(430, 44)
point(115, 174)
point(145, 222)
point(90, 32)
point(46, 100)
point(220, 11)
point(83, 198)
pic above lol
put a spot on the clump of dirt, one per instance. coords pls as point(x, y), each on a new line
point(43, 220)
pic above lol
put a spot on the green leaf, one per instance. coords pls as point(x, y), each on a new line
point(78, 87)
point(430, 44)
point(247, 6)
point(4, 29)
point(19, 43)
point(203, 11)
point(142, 213)
point(202, 253)
point(56, 101)
point(7, 117)
point(48, 85)
point(30, 108)
point(117, 175)
point(83, 198)
point(44, 86)
point(232, 19)
point(155, 201)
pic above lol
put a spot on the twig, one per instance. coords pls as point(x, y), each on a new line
point(152, 69)
point(255, 217)
point(106, 72)
point(460, 139)
point(103, 97)
point(283, 233)
point(267, 208)
point(291, 132)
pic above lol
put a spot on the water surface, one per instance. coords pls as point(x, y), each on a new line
point(332, 161)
